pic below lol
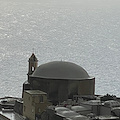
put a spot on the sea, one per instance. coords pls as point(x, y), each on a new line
point(85, 32)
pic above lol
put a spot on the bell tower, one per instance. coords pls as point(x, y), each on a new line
point(33, 63)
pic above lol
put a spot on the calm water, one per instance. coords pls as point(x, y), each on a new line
point(85, 32)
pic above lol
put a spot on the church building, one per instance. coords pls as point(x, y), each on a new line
point(59, 79)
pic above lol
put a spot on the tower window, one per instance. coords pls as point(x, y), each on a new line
point(33, 68)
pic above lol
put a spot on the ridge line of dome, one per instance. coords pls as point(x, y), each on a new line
point(55, 78)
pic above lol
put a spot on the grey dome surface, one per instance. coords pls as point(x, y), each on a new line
point(60, 70)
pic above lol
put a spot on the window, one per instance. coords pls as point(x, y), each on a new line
point(41, 98)
point(32, 110)
point(24, 108)
point(29, 98)
point(39, 110)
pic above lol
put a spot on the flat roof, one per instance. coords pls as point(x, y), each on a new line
point(107, 117)
point(35, 92)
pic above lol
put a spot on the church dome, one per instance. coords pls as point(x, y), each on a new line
point(60, 70)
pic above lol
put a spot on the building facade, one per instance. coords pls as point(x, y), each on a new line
point(35, 102)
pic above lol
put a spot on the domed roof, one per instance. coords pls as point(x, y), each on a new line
point(60, 70)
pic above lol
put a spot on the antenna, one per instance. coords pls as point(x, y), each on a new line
point(33, 50)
